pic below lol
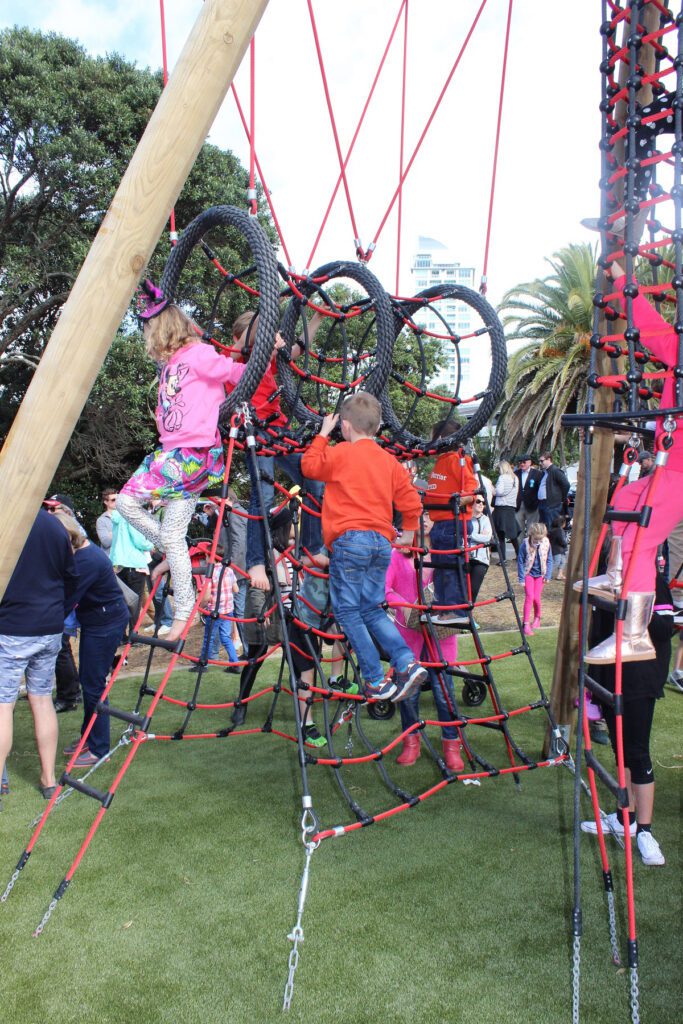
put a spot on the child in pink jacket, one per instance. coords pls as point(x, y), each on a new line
point(401, 587)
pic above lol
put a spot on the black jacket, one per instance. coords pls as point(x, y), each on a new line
point(556, 486)
point(528, 496)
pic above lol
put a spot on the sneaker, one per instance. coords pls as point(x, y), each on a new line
point(649, 850)
point(313, 737)
point(675, 681)
point(528, 631)
point(86, 759)
point(610, 823)
point(66, 705)
point(382, 689)
point(409, 681)
point(536, 624)
point(450, 619)
point(163, 630)
point(71, 749)
point(345, 685)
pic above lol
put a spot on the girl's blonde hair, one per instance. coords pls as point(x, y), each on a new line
point(537, 531)
point(244, 331)
point(167, 332)
point(505, 469)
point(76, 536)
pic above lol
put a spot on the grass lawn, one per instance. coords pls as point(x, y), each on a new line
point(458, 910)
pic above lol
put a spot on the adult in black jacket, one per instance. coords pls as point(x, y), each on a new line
point(552, 490)
point(527, 497)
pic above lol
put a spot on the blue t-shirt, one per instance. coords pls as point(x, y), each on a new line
point(38, 594)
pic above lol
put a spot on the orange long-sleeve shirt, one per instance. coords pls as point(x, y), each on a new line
point(364, 484)
point(449, 477)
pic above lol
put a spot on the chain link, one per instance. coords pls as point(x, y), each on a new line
point(10, 885)
point(576, 979)
point(46, 917)
point(635, 996)
point(297, 933)
point(616, 958)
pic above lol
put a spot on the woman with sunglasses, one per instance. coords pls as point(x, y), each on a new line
point(479, 540)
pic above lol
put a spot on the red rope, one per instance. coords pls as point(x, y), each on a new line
point(342, 166)
point(355, 134)
point(251, 193)
point(266, 190)
point(428, 125)
point(484, 273)
point(173, 235)
point(400, 159)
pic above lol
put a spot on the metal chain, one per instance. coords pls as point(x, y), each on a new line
point(10, 885)
point(616, 958)
point(297, 933)
point(46, 917)
point(635, 996)
point(576, 979)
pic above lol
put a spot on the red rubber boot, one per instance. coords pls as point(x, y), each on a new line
point(452, 755)
point(411, 749)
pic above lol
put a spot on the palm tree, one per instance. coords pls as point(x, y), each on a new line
point(547, 376)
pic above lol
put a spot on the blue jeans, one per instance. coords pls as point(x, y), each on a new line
point(217, 632)
point(311, 527)
point(547, 513)
point(239, 604)
point(410, 708)
point(450, 587)
point(358, 568)
point(96, 653)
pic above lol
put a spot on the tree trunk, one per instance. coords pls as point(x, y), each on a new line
point(113, 267)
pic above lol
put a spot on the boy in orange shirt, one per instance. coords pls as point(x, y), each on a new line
point(364, 484)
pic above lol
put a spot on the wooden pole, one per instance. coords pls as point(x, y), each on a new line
point(113, 267)
point(565, 677)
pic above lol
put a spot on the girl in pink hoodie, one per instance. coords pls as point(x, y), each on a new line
point(190, 454)
point(402, 588)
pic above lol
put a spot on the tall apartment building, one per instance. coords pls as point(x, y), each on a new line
point(434, 264)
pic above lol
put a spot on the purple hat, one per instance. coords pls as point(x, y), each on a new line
point(150, 301)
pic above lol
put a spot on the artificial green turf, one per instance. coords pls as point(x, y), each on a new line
point(457, 910)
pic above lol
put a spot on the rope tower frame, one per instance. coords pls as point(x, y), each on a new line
point(640, 223)
point(304, 397)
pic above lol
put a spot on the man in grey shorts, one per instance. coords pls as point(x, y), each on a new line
point(32, 616)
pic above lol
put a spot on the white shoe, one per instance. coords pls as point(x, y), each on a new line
point(675, 681)
point(163, 630)
point(610, 823)
point(649, 850)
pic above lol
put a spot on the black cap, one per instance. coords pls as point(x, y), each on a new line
point(64, 499)
point(646, 455)
point(523, 458)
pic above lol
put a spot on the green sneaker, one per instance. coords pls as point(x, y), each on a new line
point(313, 737)
point(345, 685)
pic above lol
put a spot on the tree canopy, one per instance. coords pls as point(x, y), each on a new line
point(547, 376)
point(69, 124)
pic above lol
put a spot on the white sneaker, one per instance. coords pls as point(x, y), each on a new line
point(649, 850)
point(675, 681)
point(163, 630)
point(610, 823)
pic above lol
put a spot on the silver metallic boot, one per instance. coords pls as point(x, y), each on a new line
point(609, 584)
point(636, 644)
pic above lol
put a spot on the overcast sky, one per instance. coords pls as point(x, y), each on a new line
point(548, 163)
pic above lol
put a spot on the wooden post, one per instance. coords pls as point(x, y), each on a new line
point(565, 677)
point(113, 267)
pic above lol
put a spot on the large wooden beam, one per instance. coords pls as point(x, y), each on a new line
point(112, 269)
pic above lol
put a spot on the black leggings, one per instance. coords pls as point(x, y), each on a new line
point(637, 725)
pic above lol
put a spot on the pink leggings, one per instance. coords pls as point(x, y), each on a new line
point(533, 586)
point(667, 512)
